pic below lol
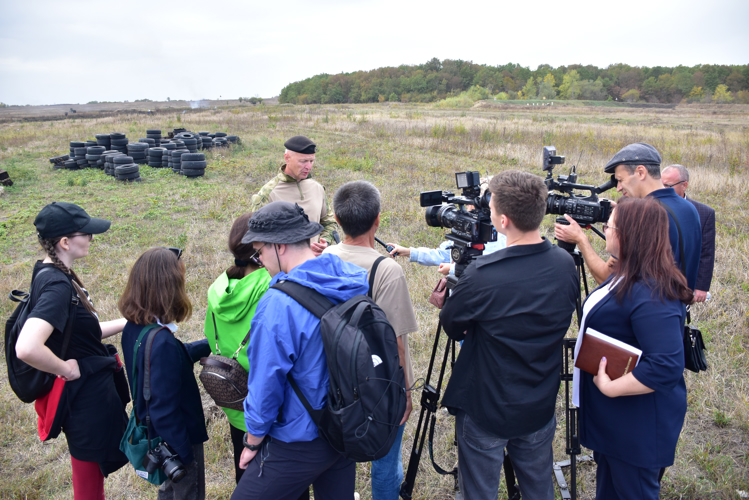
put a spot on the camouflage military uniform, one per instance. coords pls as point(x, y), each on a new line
point(308, 193)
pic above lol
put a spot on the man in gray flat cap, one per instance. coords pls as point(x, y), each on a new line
point(293, 184)
point(637, 168)
point(284, 452)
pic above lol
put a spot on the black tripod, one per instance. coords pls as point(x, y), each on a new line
point(430, 397)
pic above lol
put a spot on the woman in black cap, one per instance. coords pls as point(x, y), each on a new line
point(84, 400)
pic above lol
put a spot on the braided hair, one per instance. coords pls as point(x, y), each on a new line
point(48, 245)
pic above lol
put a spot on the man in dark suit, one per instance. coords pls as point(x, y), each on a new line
point(677, 177)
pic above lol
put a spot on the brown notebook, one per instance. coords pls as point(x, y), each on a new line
point(622, 358)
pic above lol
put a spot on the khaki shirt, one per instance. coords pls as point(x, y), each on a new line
point(308, 194)
point(389, 291)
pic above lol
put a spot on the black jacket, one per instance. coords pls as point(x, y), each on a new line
point(516, 305)
point(707, 253)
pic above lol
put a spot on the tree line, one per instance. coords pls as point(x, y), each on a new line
point(436, 80)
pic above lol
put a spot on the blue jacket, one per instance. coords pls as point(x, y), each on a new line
point(176, 408)
point(640, 430)
point(286, 339)
point(691, 230)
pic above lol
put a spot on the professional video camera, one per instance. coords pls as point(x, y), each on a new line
point(585, 210)
point(470, 229)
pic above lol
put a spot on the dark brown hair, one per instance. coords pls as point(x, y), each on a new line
point(49, 245)
point(156, 289)
point(645, 251)
point(521, 197)
point(240, 251)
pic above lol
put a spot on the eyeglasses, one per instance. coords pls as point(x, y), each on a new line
point(255, 256)
point(606, 226)
point(89, 235)
point(176, 251)
point(674, 184)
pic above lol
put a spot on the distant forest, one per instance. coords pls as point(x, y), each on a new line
point(438, 80)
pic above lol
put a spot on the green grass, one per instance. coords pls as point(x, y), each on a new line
point(403, 150)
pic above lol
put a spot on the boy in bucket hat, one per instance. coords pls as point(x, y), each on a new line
point(283, 452)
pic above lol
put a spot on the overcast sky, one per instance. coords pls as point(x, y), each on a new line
point(55, 52)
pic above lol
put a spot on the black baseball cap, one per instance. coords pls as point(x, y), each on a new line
point(60, 218)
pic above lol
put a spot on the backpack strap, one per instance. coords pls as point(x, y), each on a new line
point(372, 274)
point(72, 311)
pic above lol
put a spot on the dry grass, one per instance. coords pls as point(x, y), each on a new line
point(403, 150)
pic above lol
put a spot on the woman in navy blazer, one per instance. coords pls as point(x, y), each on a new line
point(155, 296)
point(633, 423)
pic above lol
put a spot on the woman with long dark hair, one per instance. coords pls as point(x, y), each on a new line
point(83, 403)
point(232, 300)
point(155, 299)
point(633, 423)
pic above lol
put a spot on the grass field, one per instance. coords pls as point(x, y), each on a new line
point(403, 150)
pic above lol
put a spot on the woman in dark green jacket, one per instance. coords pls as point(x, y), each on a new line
point(232, 300)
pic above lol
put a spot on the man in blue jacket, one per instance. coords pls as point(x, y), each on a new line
point(638, 172)
point(284, 453)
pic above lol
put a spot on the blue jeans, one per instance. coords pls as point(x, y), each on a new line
point(481, 454)
point(387, 472)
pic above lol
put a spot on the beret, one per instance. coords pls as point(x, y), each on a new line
point(300, 144)
point(638, 153)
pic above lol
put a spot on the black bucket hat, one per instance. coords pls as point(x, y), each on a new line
point(280, 222)
point(60, 218)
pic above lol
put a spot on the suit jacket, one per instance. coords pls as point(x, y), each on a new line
point(707, 255)
point(640, 430)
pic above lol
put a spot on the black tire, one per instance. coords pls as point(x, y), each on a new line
point(77, 144)
point(169, 146)
point(137, 145)
point(102, 136)
point(232, 138)
point(122, 160)
point(221, 134)
point(106, 144)
point(116, 135)
point(95, 150)
point(193, 173)
point(93, 157)
point(153, 131)
point(80, 151)
point(156, 152)
point(179, 144)
point(193, 157)
point(126, 177)
point(155, 164)
point(193, 164)
point(126, 169)
point(185, 135)
point(119, 142)
point(70, 163)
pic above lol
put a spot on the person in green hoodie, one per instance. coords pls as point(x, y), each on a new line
point(232, 300)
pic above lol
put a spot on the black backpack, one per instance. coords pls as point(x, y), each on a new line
point(27, 382)
point(367, 394)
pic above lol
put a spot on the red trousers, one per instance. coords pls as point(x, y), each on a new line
point(88, 481)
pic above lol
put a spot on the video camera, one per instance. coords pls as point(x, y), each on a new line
point(585, 210)
point(470, 228)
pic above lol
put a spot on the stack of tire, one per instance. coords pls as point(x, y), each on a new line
point(80, 157)
point(156, 157)
point(125, 169)
point(118, 142)
point(220, 142)
point(151, 142)
point(93, 155)
point(58, 162)
point(233, 139)
point(70, 164)
point(137, 151)
point(207, 141)
point(193, 164)
point(104, 140)
point(190, 140)
point(108, 157)
point(175, 160)
point(155, 135)
point(73, 145)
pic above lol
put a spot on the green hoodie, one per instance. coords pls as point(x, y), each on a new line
point(233, 303)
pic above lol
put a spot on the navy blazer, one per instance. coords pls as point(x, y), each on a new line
point(641, 430)
point(707, 255)
point(176, 409)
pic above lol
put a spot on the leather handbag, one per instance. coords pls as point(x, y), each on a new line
point(694, 348)
point(223, 378)
point(437, 298)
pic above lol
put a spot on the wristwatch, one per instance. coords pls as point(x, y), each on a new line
point(251, 447)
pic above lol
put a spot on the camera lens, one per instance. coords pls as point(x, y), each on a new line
point(174, 469)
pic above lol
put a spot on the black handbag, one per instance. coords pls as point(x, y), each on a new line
point(694, 348)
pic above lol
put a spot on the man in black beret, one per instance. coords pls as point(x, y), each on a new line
point(293, 184)
point(637, 169)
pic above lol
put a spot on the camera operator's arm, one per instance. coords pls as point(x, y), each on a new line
point(461, 308)
point(573, 233)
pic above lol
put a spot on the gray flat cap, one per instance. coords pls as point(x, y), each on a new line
point(638, 153)
point(280, 222)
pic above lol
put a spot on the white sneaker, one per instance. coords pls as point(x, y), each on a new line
point(356, 496)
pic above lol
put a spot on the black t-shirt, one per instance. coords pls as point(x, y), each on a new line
point(51, 295)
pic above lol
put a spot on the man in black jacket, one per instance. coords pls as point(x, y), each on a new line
point(512, 308)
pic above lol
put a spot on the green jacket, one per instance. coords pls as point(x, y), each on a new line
point(232, 303)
